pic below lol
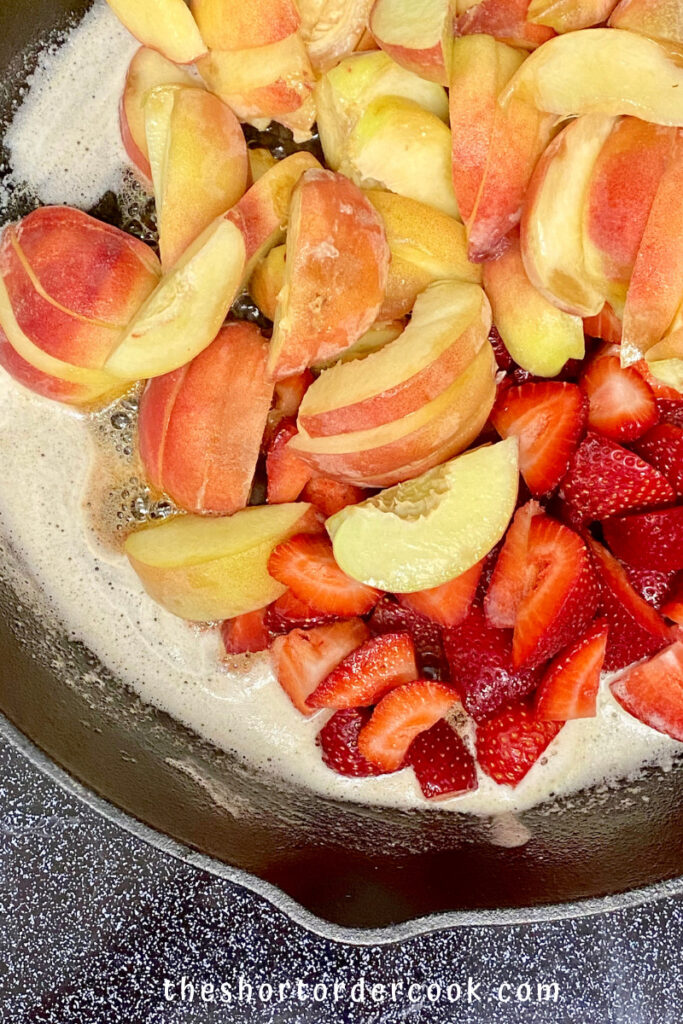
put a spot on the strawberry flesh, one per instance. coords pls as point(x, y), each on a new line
point(448, 604)
point(288, 613)
point(390, 617)
point(510, 744)
point(653, 691)
point(662, 447)
point(401, 716)
point(569, 688)
point(506, 589)
point(442, 763)
point(306, 565)
point(338, 740)
point(331, 496)
point(621, 405)
point(303, 658)
point(648, 540)
point(246, 634)
point(365, 675)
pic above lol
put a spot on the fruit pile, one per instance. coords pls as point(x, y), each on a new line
point(469, 411)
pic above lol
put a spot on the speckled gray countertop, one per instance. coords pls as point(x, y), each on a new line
point(94, 921)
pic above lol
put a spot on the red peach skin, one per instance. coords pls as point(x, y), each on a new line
point(201, 426)
point(335, 276)
point(163, 25)
point(412, 35)
point(506, 20)
point(240, 25)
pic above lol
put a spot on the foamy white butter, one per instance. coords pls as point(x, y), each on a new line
point(45, 452)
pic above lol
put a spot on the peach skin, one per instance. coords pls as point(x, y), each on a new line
point(198, 157)
point(332, 29)
point(605, 325)
point(450, 324)
point(659, 19)
point(538, 335)
point(412, 35)
point(201, 426)
point(236, 25)
point(163, 25)
point(505, 20)
point(335, 274)
point(569, 15)
point(147, 70)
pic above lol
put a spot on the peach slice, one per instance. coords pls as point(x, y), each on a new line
point(163, 25)
point(538, 335)
point(450, 324)
point(332, 29)
point(403, 448)
point(343, 93)
point(412, 35)
point(552, 226)
point(237, 25)
point(201, 426)
point(661, 19)
point(391, 125)
point(335, 274)
point(185, 312)
point(198, 157)
point(374, 339)
point(428, 531)
point(268, 279)
point(205, 569)
point(630, 74)
point(260, 162)
point(146, 71)
point(506, 20)
point(426, 246)
point(569, 15)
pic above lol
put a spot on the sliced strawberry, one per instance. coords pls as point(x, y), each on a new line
point(287, 474)
point(621, 405)
point(365, 675)
point(442, 763)
point(671, 410)
point(480, 658)
point(331, 496)
point(288, 613)
point(390, 617)
point(508, 582)
point(510, 744)
point(673, 606)
point(303, 658)
point(306, 565)
point(570, 685)
point(654, 587)
point(338, 740)
point(662, 447)
point(399, 717)
point(653, 691)
point(549, 419)
point(246, 634)
point(635, 627)
point(448, 604)
point(605, 479)
point(648, 540)
point(606, 325)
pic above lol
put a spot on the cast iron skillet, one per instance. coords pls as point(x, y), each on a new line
point(354, 866)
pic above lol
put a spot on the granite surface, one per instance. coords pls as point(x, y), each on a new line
point(96, 925)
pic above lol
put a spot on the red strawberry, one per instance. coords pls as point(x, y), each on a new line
point(503, 357)
point(365, 675)
point(621, 405)
point(662, 447)
point(508, 583)
point(606, 325)
point(287, 474)
point(671, 410)
point(673, 606)
point(338, 739)
point(390, 617)
point(246, 634)
point(448, 604)
point(648, 540)
point(660, 389)
point(330, 495)
point(303, 658)
point(510, 744)
point(480, 658)
point(635, 627)
point(442, 763)
point(653, 586)
point(306, 565)
point(653, 691)
point(570, 685)
point(549, 419)
point(288, 613)
point(399, 717)
point(605, 479)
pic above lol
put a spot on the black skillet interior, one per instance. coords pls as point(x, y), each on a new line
point(355, 866)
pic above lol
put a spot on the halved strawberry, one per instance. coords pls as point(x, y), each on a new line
point(399, 717)
point(331, 496)
point(480, 658)
point(287, 474)
point(549, 419)
point(605, 479)
point(673, 606)
point(338, 740)
point(304, 657)
point(442, 763)
point(648, 540)
point(508, 582)
point(448, 604)
point(653, 691)
point(671, 410)
point(390, 617)
point(510, 744)
point(621, 405)
point(246, 634)
point(365, 675)
point(635, 627)
point(306, 565)
point(662, 447)
point(569, 688)
point(288, 613)
point(654, 587)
